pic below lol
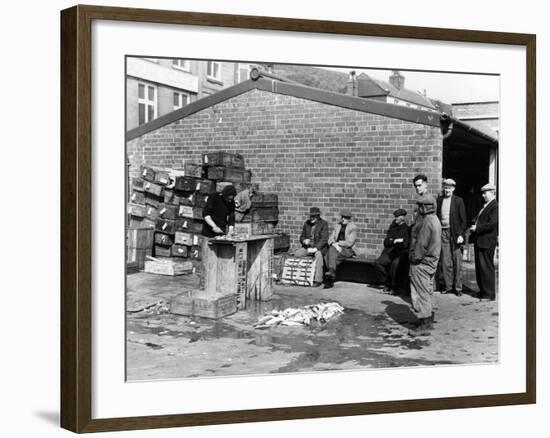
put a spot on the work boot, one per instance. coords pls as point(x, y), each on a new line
point(329, 282)
point(422, 329)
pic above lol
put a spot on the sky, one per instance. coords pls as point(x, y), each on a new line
point(448, 87)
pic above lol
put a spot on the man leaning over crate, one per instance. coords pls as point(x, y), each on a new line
point(314, 240)
point(341, 244)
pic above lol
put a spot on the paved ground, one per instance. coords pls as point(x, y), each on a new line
point(372, 332)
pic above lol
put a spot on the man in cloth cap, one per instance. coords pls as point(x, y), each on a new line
point(485, 238)
point(395, 243)
point(314, 240)
point(341, 243)
point(219, 213)
point(452, 215)
point(424, 252)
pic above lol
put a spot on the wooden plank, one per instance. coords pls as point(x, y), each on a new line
point(259, 284)
point(240, 272)
point(139, 238)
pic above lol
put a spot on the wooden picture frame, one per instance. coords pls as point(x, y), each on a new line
point(76, 218)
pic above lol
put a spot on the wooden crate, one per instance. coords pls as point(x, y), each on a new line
point(268, 214)
point(223, 159)
point(170, 197)
point(137, 184)
point(215, 173)
point(163, 251)
point(137, 210)
point(201, 199)
point(137, 197)
point(139, 238)
point(180, 251)
point(189, 225)
point(168, 211)
point(164, 239)
point(182, 238)
point(205, 186)
point(151, 212)
point(237, 175)
point(168, 267)
point(153, 200)
point(147, 173)
point(188, 199)
point(192, 169)
point(185, 183)
point(154, 189)
point(298, 271)
point(167, 226)
point(199, 303)
point(190, 212)
point(148, 223)
point(254, 228)
point(265, 200)
point(195, 252)
point(281, 242)
point(139, 255)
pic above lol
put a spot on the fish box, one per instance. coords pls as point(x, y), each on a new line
point(188, 199)
point(137, 184)
point(137, 210)
point(254, 228)
point(205, 186)
point(199, 303)
point(237, 175)
point(147, 173)
point(180, 251)
point(153, 200)
point(195, 252)
point(154, 189)
point(227, 159)
point(171, 198)
point(164, 239)
point(137, 197)
point(151, 212)
point(192, 169)
point(163, 251)
point(162, 177)
point(190, 212)
point(139, 238)
point(168, 211)
point(189, 225)
point(215, 173)
point(298, 271)
point(168, 267)
point(265, 200)
point(201, 199)
point(268, 214)
point(185, 183)
point(167, 226)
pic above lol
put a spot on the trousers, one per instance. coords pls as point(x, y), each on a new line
point(451, 262)
point(333, 258)
point(485, 270)
point(387, 269)
point(422, 289)
point(318, 276)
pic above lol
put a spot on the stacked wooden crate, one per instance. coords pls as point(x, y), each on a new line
point(139, 244)
point(262, 216)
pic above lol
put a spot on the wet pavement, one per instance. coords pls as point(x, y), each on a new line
point(371, 333)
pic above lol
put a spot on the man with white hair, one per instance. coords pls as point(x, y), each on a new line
point(484, 236)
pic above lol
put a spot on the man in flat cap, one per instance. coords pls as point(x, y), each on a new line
point(341, 243)
point(424, 252)
point(452, 215)
point(484, 235)
point(395, 243)
point(314, 240)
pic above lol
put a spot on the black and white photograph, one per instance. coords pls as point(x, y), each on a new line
point(285, 218)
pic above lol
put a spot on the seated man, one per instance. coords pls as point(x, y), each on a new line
point(243, 202)
point(314, 240)
point(341, 244)
point(395, 244)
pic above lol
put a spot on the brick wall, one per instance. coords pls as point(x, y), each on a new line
point(310, 154)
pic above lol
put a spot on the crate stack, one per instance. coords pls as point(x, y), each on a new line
point(170, 202)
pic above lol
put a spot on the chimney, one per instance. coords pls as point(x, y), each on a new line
point(397, 79)
point(352, 84)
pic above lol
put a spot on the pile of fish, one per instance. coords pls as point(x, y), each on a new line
point(321, 312)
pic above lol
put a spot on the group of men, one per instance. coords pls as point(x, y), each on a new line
point(437, 236)
point(434, 241)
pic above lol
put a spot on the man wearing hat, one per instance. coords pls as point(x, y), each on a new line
point(219, 212)
point(452, 215)
point(314, 240)
point(395, 243)
point(341, 244)
point(484, 235)
point(424, 254)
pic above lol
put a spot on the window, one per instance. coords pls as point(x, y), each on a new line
point(181, 64)
point(147, 103)
point(244, 71)
point(213, 70)
point(180, 99)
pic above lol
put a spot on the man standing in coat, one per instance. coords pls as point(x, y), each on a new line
point(314, 240)
point(484, 235)
point(341, 244)
point(452, 215)
point(424, 252)
point(395, 243)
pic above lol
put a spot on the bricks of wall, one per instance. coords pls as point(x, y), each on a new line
point(310, 154)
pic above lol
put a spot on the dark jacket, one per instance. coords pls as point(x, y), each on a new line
point(396, 231)
point(221, 212)
point(426, 241)
point(457, 218)
point(486, 233)
point(320, 235)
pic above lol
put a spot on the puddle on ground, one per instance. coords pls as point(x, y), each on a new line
point(354, 336)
